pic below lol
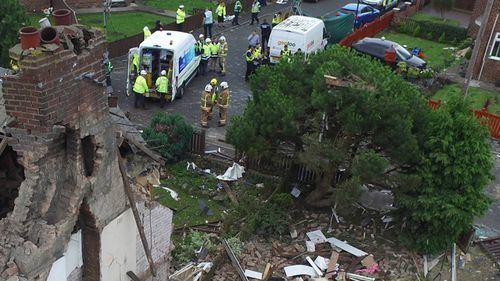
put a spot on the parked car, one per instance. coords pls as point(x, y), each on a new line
point(364, 14)
point(376, 47)
point(381, 5)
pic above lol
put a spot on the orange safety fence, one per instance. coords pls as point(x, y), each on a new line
point(490, 119)
point(368, 30)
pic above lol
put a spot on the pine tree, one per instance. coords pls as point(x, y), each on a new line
point(12, 17)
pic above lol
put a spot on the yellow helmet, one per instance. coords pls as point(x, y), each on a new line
point(213, 81)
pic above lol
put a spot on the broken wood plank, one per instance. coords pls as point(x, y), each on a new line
point(230, 193)
point(147, 151)
point(332, 264)
point(357, 277)
point(268, 272)
point(234, 261)
point(128, 192)
point(3, 145)
point(346, 247)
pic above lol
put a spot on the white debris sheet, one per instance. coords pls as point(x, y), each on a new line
point(346, 247)
point(232, 173)
point(316, 236)
point(253, 274)
point(297, 270)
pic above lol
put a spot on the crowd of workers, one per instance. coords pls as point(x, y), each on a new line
point(213, 52)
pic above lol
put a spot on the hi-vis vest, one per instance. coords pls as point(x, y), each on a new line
point(181, 15)
point(387, 2)
point(214, 49)
point(220, 10)
point(140, 85)
point(162, 84)
point(206, 51)
point(256, 7)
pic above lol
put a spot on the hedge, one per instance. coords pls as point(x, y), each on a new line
point(451, 33)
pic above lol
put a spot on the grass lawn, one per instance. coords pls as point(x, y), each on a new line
point(477, 97)
point(426, 17)
point(433, 51)
point(120, 25)
point(173, 5)
point(190, 186)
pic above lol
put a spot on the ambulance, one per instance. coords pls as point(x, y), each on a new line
point(172, 51)
point(297, 32)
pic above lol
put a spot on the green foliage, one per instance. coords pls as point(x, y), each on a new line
point(369, 166)
point(12, 17)
point(442, 38)
point(429, 36)
point(465, 43)
point(468, 54)
point(345, 194)
point(454, 42)
point(236, 245)
point(170, 134)
point(416, 31)
point(448, 58)
point(185, 248)
point(447, 190)
point(452, 32)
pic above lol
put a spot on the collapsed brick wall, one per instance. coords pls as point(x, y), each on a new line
point(55, 108)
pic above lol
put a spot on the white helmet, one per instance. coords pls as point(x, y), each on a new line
point(208, 40)
point(145, 28)
point(208, 88)
point(181, 6)
point(224, 85)
point(201, 36)
point(163, 72)
point(143, 72)
point(222, 38)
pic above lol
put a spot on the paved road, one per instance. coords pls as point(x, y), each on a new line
point(240, 91)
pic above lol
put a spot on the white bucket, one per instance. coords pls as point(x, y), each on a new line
point(44, 22)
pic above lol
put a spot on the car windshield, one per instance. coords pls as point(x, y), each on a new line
point(403, 52)
point(346, 12)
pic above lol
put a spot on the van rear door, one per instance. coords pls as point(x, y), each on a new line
point(131, 71)
point(280, 38)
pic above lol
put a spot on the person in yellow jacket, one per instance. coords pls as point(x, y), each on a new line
point(276, 19)
point(147, 32)
point(223, 103)
point(206, 105)
point(221, 13)
point(214, 55)
point(223, 54)
point(135, 63)
point(180, 17)
point(140, 89)
point(162, 88)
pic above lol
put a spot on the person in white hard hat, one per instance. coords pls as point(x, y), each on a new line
point(205, 56)
point(223, 49)
point(223, 103)
point(180, 17)
point(140, 89)
point(206, 105)
point(162, 88)
point(198, 46)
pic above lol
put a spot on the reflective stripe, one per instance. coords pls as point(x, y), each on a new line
point(180, 16)
point(206, 51)
point(249, 56)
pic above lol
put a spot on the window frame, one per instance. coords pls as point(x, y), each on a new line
point(496, 40)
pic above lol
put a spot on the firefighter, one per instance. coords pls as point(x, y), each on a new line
point(223, 103)
point(206, 105)
point(162, 88)
point(223, 49)
point(140, 89)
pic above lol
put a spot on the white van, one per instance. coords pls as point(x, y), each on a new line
point(298, 32)
point(165, 50)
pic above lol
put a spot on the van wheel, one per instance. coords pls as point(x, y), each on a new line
point(180, 92)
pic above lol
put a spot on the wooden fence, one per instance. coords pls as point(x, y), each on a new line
point(198, 142)
point(368, 30)
point(489, 119)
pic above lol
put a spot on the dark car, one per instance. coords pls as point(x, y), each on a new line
point(376, 47)
point(381, 5)
point(363, 14)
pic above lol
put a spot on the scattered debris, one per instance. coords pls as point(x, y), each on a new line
point(316, 236)
point(346, 247)
point(314, 266)
point(232, 173)
point(234, 260)
point(356, 277)
point(173, 194)
point(298, 270)
point(295, 192)
point(253, 274)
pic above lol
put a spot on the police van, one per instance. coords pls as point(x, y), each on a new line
point(172, 51)
point(297, 32)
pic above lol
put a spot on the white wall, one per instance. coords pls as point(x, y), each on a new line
point(118, 248)
point(71, 259)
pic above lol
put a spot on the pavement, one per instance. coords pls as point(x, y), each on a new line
point(188, 106)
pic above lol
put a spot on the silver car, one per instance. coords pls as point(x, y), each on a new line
point(381, 5)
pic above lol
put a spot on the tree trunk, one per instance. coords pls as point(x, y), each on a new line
point(320, 197)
